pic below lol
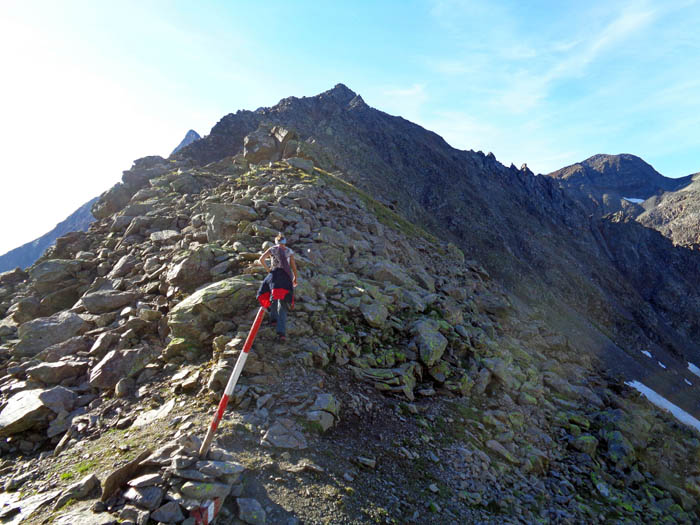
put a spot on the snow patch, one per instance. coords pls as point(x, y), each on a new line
point(646, 353)
point(661, 364)
point(663, 403)
point(694, 369)
point(687, 382)
point(634, 199)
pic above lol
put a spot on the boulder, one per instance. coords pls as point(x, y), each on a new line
point(123, 266)
point(12, 277)
point(194, 318)
point(118, 364)
point(48, 274)
point(111, 201)
point(431, 343)
point(30, 408)
point(260, 146)
point(375, 314)
point(104, 301)
point(250, 511)
point(193, 270)
point(43, 332)
point(284, 434)
point(393, 273)
point(302, 164)
point(56, 372)
point(222, 219)
point(64, 349)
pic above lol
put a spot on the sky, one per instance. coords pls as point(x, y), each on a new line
point(87, 87)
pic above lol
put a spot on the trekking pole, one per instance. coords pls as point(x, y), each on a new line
point(232, 380)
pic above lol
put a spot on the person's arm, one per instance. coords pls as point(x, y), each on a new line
point(262, 260)
point(293, 264)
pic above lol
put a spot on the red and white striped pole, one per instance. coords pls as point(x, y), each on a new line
point(204, 449)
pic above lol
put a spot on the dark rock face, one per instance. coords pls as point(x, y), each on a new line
point(190, 137)
point(26, 254)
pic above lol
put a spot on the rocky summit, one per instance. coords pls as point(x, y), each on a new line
point(463, 348)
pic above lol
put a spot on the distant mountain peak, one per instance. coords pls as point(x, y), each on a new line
point(190, 137)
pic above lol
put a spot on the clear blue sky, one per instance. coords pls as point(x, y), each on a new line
point(88, 86)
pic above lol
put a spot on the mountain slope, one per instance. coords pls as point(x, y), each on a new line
point(26, 254)
point(416, 385)
point(618, 286)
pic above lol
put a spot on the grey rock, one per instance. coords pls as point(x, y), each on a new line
point(375, 314)
point(168, 513)
point(222, 219)
point(123, 266)
point(195, 317)
point(56, 372)
point(431, 343)
point(284, 434)
point(118, 364)
point(30, 408)
point(105, 301)
point(250, 511)
point(204, 491)
point(80, 490)
point(40, 333)
point(146, 497)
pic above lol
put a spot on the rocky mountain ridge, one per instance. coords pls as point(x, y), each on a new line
point(474, 404)
point(25, 255)
point(190, 137)
point(606, 183)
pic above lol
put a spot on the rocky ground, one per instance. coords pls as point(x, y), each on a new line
point(412, 388)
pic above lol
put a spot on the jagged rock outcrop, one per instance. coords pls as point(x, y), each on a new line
point(190, 137)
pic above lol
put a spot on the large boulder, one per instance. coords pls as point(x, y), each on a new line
point(260, 146)
point(111, 201)
point(194, 317)
point(104, 301)
point(222, 219)
point(118, 364)
point(13, 277)
point(56, 372)
point(375, 314)
point(47, 275)
point(390, 272)
point(43, 332)
point(431, 343)
point(31, 408)
point(193, 270)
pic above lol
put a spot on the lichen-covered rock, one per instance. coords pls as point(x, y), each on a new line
point(194, 317)
point(431, 343)
point(375, 314)
point(193, 270)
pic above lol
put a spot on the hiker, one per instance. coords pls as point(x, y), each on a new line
point(277, 290)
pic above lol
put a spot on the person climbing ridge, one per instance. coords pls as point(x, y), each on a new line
point(276, 292)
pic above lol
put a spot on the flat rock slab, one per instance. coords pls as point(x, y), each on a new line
point(105, 301)
point(36, 335)
point(56, 372)
point(29, 408)
point(203, 490)
point(146, 497)
point(152, 415)
point(284, 433)
point(168, 513)
point(118, 364)
point(119, 477)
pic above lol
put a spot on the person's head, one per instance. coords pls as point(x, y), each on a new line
point(280, 239)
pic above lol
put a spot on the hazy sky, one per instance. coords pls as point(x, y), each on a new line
point(88, 86)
